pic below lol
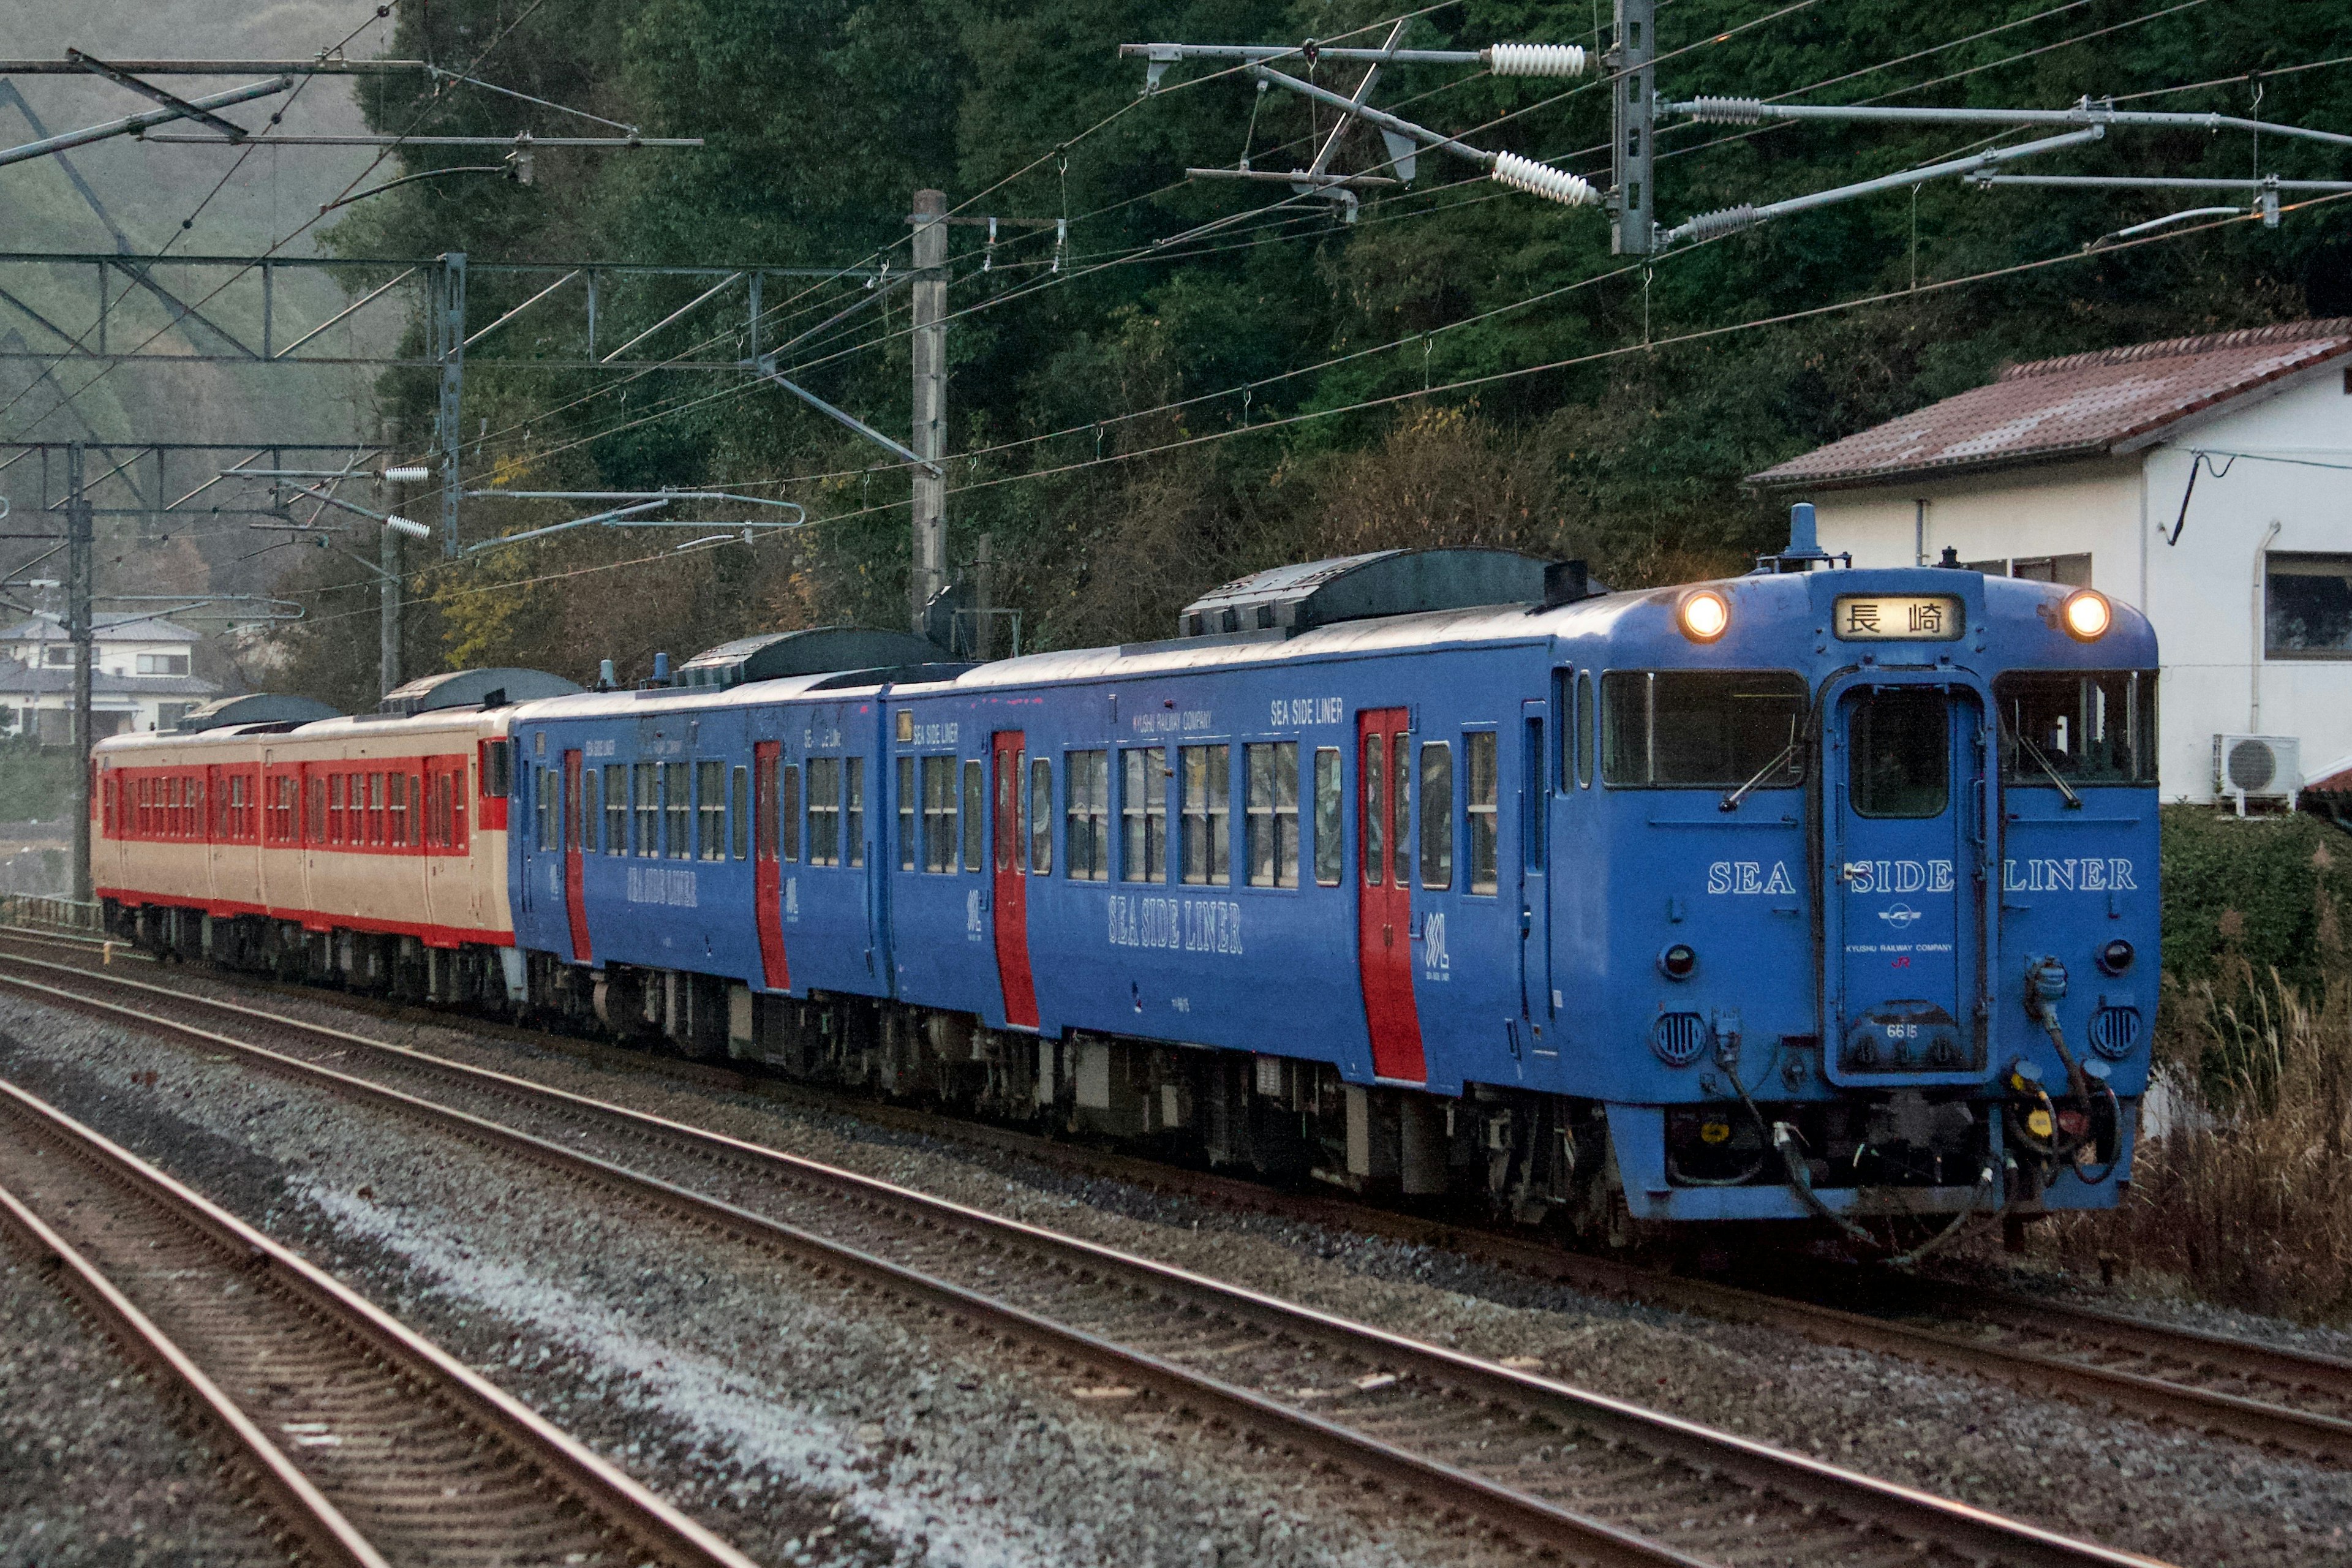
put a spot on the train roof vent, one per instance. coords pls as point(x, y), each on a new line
point(1288, 600)
point(254, 707)
point(473, 689)
point(818, 650)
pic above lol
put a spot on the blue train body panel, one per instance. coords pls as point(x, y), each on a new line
point(1592, 889)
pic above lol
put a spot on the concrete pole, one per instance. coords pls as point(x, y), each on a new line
point(928, 573)
point(984, 573)
point(388, 630)
point(79, 567)
point(1634, 204)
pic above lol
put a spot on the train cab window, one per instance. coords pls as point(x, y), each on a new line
point(853, 811)
point(939, 809)
point(907, 805)
point(1086, 786)
point(648, 798)
point(497, 769)
point(975, 814)
point(711, 811)
point(1327, 845)
point(1272, 810)
point(677, 811)
point(1901, 742)
point(1587, 715)
point(1207, 819)
point(616, 809)
point(1436, 815)
point(1041, 817)
point(824, 811)
point(590, 810)
point(1480, 808)
point(788, 811)
point(2084, 726)
point(1704, 729)
point(1143, 814)
point(739, 812)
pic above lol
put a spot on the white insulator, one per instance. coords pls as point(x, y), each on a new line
point(408, 526)
point(1543, 180)
point(407, 476)
point(1535, 59)
point(1728, 220)
point(1727, 110)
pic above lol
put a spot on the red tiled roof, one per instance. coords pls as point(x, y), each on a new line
point(2082, 406)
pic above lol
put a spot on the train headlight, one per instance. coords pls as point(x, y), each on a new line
point(2116, 956)
point(1705, 616)
point(2087, 615)
point(1677, 962)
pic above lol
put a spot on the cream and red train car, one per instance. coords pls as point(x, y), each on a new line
point(370, 848)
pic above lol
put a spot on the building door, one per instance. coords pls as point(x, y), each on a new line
point(572, 833)
point(767, 866)
point(1906, 771)
point(1010, 845)
point(1384, 893)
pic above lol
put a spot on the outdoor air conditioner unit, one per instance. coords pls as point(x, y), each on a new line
point(2257, 767)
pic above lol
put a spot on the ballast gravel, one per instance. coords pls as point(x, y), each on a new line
point(92, 1467)
point(2149, 1489)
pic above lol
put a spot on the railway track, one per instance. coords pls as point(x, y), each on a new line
point(1593, 1478)
point(369, 1445)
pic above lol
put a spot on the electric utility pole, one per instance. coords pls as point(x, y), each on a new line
point(928, 573)
point(79, 570)
point(1632, 227)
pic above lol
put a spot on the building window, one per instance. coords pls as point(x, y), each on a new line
point(710, 810)
point(1207, 820)
point(2066, 571)
point(1478, 807)
point(1087, 836)
point(939, 812)
point(154, 663)
point(1273, 814)
point(1436, 815)
point(1143, 814)
point(2307, 605)
point(57, 657)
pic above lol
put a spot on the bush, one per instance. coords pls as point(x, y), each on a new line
point(2246, 893)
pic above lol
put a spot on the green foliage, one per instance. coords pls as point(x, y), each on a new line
point(2252, 896)
point(1218, 376)
point(35, 786)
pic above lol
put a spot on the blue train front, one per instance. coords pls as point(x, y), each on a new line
point(1814, 894)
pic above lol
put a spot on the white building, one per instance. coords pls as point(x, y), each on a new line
point(2207, 480)
point(141, 676)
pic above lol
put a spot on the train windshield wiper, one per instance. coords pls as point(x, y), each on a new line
point(1731, 801)
point(2073, 800)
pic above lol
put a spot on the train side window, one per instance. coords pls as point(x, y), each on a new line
point(376, 809)
point(788, 811)
point(616, 809)
point(1436, 815)
point(1532, 810)
point(498, 772)
point(1272, 810)
point(824, 811)
point(853, 811)
point(677, 811)
point(939, 807)
point(907, 805)
point(1400, 805)
point(1372, 817)
point(710, 810)
point(1327, 842)
point(591, 809)
point(1480, 808)
point(646, 840)
point(1587, 716)
point(338, 791)
point(1206, 821)
point(1085, 788)
point(1143, 814)
point(395, 807)
point(1563, 713)
point(1041, 817)
point(739, 812)
point(318, 810)
point(975, 815)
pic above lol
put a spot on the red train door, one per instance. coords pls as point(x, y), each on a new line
point(573, 828)
point(1012, 896)
point(1384, 893)
point(767, 869)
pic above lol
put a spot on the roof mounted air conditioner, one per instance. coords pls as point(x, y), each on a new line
point(2257, 767)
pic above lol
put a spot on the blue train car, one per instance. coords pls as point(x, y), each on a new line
point(1811, 894)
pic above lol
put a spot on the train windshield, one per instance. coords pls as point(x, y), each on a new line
point(1703, 728)
point(2078, 726)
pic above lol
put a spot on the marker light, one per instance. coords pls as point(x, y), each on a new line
point(1677, 962)
point(1705, 616)
point(2089, 614)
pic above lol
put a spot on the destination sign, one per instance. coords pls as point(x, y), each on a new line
point(1898, 617)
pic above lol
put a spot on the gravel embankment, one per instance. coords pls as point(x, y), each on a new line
point(92, 1468)
point(2149, 1489)
point(804, 1422)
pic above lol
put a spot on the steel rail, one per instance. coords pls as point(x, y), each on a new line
point(1925, 1520)
point(292, 1496)
point(560, 1459)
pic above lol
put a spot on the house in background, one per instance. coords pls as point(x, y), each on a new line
point(2207, 480)
point(141, 676)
